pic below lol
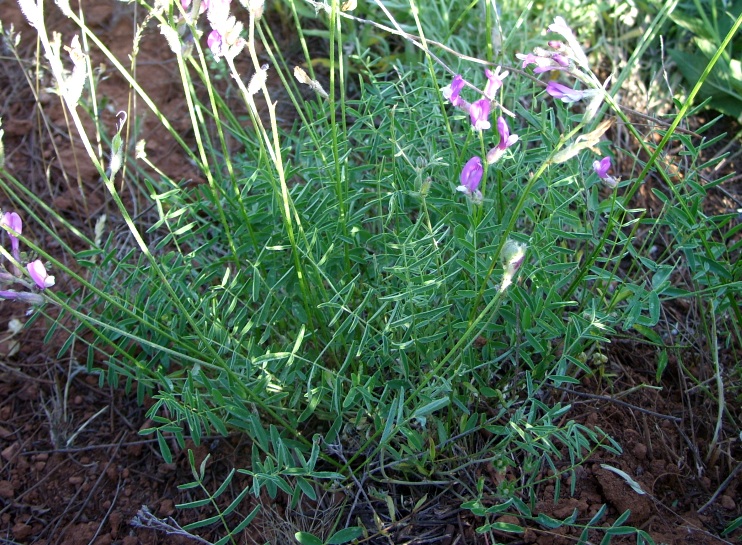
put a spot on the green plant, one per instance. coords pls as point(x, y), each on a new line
point(706, 23)
point(329, 293)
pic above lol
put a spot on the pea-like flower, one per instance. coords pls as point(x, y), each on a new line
point(215, 42)
point(494, 81)
point(567, 94)
point(506, 140)
point(512, 257)
point(544, 61)
point(471, 177)
point(451, 92)
point(562, 56)
point(573, 47)
point(13, 221)
point(225, 38)
point(480, 113)
point(23, 296)
point(39, 275)
point(601, 168)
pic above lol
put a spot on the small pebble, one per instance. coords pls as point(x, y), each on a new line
point(640, 451)
point(21, 531)
point(105, 539)
point(7, 490)
point(9, 453)
point(727, 502)
point(167, 508)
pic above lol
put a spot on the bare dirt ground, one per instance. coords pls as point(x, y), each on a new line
point(74, 470)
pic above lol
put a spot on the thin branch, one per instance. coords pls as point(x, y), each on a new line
point(619, 402)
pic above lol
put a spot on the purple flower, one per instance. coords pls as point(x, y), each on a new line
point(215, 43)
point(224, 40)
point(560, 59)
point(451, 91)
point(494, 81)
point(573, 49)
point(480, 113)
point(557, 45)
point(506, 140)
point(31, 298)
point(13, 221)
point(601, 168)
point(544, 63)
point(471, 176)
point(567, 94)
point(39, 275)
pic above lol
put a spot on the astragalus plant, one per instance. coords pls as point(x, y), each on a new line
point(388, 285)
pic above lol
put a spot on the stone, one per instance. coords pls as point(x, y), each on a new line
point(21, 531)
point(7, 490)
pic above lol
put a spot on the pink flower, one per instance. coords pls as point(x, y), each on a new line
point(544, 61)
point(471, 176)
point(601, 168)
point(39, 275)
point(567, 94)
point(506, 140)
point(573, 46)
point(225, 39)
point(13, 221)
point(215, 43)
point(560, 59)
point(451, 91)
point(494, 81)
point(480, 113)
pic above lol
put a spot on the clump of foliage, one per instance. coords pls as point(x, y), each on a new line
point(401, 270)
